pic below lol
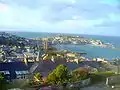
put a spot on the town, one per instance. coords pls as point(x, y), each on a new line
point(32, 64)
point(75, 40)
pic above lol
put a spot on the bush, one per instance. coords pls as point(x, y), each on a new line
point(3, 82)
point(79, 74)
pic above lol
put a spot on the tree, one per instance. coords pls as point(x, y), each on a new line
point(3, 82)
point(59, 75)
point(52, 79)
point(80, 74)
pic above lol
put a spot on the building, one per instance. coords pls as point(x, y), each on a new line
point(73, 60)
point(46, 66)
point(100, 60)
point(39, 55)
point(70, 55)
point(15, 70)
point(45, 44)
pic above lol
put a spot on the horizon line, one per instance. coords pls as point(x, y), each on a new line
point(59, 33)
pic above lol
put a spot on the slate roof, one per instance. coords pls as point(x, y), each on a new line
point(47, 65)
point(15, 66)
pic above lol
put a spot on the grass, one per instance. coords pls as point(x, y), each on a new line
point(100, 76)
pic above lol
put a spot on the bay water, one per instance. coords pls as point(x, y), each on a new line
point(92, 51)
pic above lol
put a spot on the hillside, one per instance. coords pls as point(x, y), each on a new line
point(9, 39)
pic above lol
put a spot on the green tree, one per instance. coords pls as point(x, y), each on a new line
point(59, 76)
point(3, 82)
point(52, 79)
point(62, 73)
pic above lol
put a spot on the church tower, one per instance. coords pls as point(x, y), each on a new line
point(45, 42)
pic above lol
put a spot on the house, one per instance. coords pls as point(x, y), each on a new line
point(46, 66)
point(70, 55)
point(15, 70)
point(73, 60)
point(100, 60)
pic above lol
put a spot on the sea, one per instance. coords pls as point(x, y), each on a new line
point(92, 51)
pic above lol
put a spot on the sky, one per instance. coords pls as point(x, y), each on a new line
point(99, 17)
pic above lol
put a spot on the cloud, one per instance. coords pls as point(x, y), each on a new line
point(3, 7)
point(26, 17)
point(63, 15)
point(111, 2)
point(114, 17)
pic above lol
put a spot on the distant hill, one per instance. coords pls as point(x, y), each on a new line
point(9, 39)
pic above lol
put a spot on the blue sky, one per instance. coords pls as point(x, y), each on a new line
point(66, 16)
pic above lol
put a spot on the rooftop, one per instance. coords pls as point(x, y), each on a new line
point(13, 68)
